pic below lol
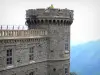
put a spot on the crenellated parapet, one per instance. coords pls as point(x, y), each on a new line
point(61, 13)
point(49, 16)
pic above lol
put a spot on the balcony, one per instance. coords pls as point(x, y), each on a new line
point(22, 34)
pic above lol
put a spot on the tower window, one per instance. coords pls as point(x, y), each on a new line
point(9, 57)
point(31, 53)
point(9, 52)
point(66, 71)
point(66, 46)
point(50, 21)
point(31, 57)
point(9, 60)
point(54, 21)
point(31, 73)
point(61, 21)
point(41, 21)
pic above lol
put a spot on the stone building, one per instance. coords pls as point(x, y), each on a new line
point(42, 49)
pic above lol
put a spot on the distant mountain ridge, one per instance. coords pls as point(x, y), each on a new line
point(85, 58)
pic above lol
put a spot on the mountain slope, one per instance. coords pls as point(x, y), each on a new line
point(85, 58)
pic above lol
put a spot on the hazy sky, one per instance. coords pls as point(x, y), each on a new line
point(86, 15)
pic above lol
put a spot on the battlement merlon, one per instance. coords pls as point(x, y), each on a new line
point(50, 13)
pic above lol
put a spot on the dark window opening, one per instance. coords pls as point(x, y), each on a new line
point(31, 57)
point(41, 21)
point(28, 21)
point(9, 52)
point(31, 53)
point(66, 71)
point(61, 21)
point(31, 73)
point(54, 69)
point(66, 46)
point(54, 21)
point(9, 60)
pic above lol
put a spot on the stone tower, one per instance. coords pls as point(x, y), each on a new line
point(57, 23)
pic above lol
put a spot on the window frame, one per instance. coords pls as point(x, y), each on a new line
point(31, 53)
point(9, 59)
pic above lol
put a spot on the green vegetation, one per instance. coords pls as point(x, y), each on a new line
point(51, 7)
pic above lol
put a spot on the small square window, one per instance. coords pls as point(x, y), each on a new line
point(9, 60)
point(9, 52)
point(31, 57)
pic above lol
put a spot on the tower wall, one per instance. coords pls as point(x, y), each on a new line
point(57, 22)
point(59, 56)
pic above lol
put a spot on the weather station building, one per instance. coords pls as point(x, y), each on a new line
point(42, 49)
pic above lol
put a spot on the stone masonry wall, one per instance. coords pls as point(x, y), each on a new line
point(20, 55)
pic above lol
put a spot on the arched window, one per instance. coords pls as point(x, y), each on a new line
point(28, 21)
point(64, 21)
point(61, 21)
point(54, 21)
point(41, 21)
